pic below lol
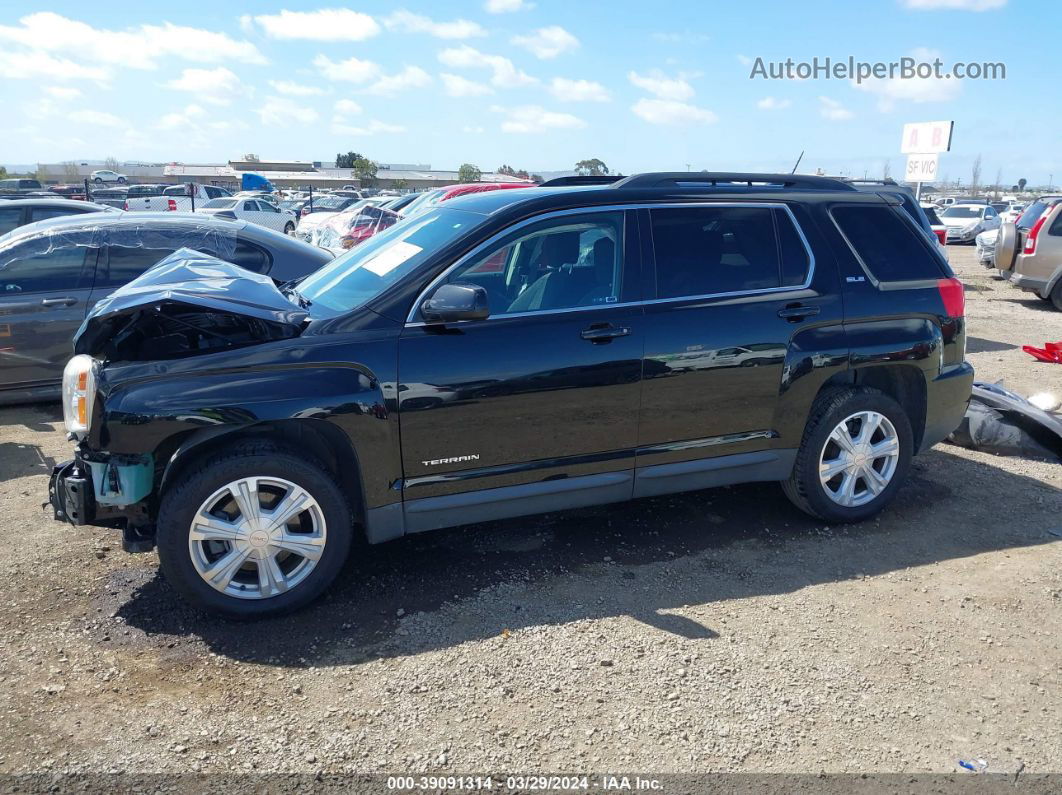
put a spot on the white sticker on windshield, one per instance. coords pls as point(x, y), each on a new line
point(390, 258)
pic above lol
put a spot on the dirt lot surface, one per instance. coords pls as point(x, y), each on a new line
point(720, 630)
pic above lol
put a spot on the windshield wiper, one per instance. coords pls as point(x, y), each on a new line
point(299, 298)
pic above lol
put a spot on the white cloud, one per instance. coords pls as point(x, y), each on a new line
point(189, 117)
point(473, 130)
point(457, 86)
point(293, 89)
point(352, 70)
point(548, 42)
point(217, 86)
point(957, 5)
point(534, 119)
point(62, 92)
point(409, 77)
point(504, 74)
point(770, 103)
point(408, 22)
point(98, 118)
point(372, 128)
point(135, 48)
point(833, 110)
point(915, 89)
point(659, 84)
point(669, 111)
point(326, 24)
point(745, 60)
point(36, 64)
point(506, 6)
point(284, 112)
point(578, 90)
point(346, 107)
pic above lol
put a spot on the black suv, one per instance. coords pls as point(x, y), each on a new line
point(509, 353)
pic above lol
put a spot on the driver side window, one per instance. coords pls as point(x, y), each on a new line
point(563, 263)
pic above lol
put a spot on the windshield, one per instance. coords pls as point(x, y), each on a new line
point(221, 204)
point(962, 211)
point(423, 202)
point(1032, 214)
point(331, 202)
point(353, 279)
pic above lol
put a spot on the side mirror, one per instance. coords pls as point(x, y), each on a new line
point(453, 302)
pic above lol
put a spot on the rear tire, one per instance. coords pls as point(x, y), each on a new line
point(121, 180)
point(1056, 296)
point(275, 568)
point(837, 485)
point(98, 181)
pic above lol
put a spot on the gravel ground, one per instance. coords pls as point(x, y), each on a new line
point(720, 630)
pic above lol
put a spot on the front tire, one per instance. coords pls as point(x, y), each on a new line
point(855, 454)
point(121, 180)
point(98, 181)
point(254, 532)
point(289, 229)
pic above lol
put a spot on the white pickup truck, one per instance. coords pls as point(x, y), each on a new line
point(177, 198)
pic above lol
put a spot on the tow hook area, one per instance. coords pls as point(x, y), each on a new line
point(136, 539)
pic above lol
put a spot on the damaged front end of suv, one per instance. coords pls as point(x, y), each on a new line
point(187, 305)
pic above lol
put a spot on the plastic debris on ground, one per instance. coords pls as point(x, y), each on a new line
point(1045, 401)
point(1003, 422)
point(1050, 353)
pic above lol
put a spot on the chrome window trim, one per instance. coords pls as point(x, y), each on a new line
point(411, 322)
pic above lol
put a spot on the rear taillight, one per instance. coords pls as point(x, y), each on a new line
point(1030, 241)
point(171, 205)
point(942, 236)
point(953, 296)
point(125, 205)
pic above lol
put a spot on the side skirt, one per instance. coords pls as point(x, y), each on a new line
point(561, 494)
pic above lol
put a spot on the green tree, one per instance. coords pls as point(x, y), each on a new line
point(507, 170)
point(3, 172)
point(591, 168)
point(522, 174)
point(365, 170)
point(347, 160)
point(1022, 183)
point(111, 163)
point(538, 178)
point(399, 184)
point(469, 173)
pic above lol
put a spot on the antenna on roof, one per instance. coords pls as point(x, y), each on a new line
point(797, 162)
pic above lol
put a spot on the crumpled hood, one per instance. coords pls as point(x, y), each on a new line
point(195, 280)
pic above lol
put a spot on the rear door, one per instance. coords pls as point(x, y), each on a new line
point(43, 299)
point(736, 294)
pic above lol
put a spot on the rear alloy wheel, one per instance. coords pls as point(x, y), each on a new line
point(855, 453)
point(253, 533)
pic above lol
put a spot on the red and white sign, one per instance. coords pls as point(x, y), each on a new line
point(925, 137)
point(921, 168)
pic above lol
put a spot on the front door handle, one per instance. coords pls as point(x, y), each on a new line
point(67, 301)
point(604, 333)
point(797, 312)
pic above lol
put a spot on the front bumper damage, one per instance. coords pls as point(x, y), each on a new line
point(108, 491)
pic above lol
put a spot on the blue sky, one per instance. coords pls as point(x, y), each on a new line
point(539, 85)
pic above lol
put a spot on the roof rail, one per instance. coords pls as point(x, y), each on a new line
point(885, 181)
point(581, 179)
point(681, 179)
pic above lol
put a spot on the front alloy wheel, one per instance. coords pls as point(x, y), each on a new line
point(255, 531)
point(859, 459)
point(257, 537)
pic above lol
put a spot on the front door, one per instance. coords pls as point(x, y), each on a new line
point(538, 402)
point(43, 299)
point(736, 288)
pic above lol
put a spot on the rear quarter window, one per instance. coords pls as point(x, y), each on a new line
point(890, 248)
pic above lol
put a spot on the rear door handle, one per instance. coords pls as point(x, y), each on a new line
point(68, 301)
point(798, 311)
point(601, 334)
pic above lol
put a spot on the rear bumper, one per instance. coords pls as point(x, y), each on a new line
point(947, 397)
point(1028, 283)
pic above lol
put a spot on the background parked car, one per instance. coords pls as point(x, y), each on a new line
point(68, 191)
point(257, 211)
point(1012, 237)
point(431, 198)
point(1011, 213)
point(966, 221)
point(19, 185)
point(115, 196)
point(177, 198)
point(20, 212)
point(52, 271)
point(986, 247)
point(309, 222)
point(937, 227)
point(106, 175)
point(1038, 264)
